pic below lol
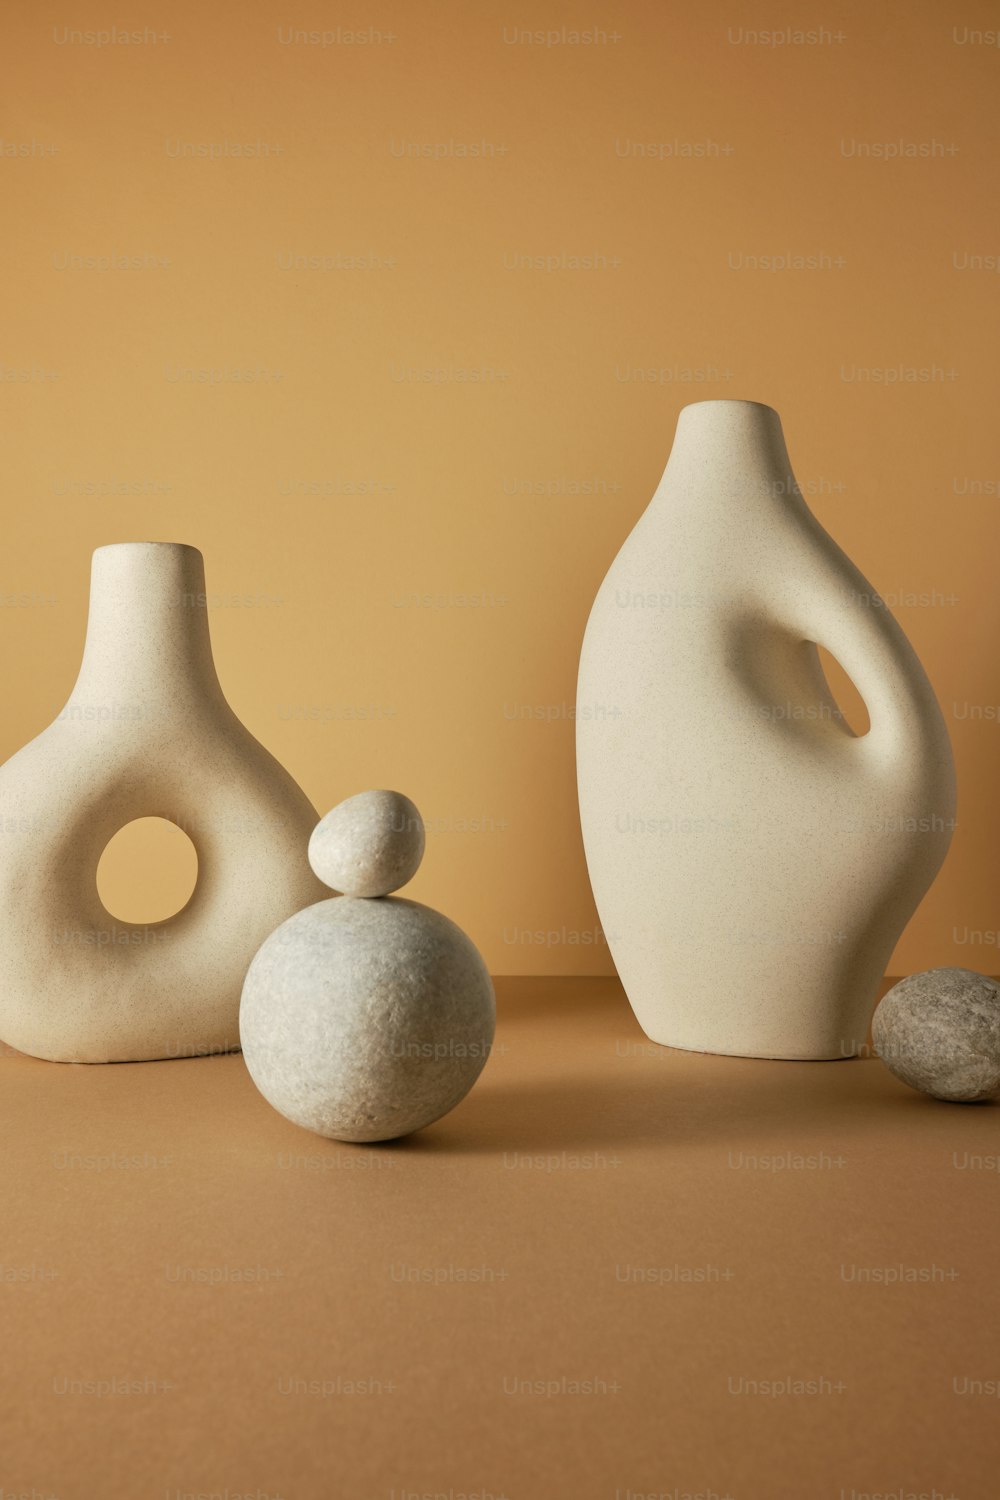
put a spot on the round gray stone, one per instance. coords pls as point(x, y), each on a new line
point(940, 1032)
point(365, 1020)
point(368, 845)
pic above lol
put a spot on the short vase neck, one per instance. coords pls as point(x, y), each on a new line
point(147, 627)
point(730, 451)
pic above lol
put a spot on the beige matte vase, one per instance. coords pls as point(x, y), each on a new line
point(146, 732)
point(753, 860)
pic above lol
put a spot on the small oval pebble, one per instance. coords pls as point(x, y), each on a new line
point(368, 845)
point(940, 1032)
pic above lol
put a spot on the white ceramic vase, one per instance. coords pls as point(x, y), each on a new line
point(146, 733)
point(753, 861)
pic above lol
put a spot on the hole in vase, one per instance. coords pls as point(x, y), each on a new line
point(147, 872)
point(844, 694)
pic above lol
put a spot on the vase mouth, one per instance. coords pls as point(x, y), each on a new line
point(750, 426)
point(733, 406)
point(146, 546)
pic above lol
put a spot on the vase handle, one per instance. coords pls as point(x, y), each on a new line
point(853, 623)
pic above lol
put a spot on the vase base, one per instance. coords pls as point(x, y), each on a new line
point(761, 1054)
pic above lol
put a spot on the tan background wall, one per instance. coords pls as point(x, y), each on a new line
point(362, 509)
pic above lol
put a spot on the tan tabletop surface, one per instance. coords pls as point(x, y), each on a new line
point(615, 1270)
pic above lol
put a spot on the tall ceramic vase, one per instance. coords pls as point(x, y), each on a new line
point(146, 732)
point(752, 859)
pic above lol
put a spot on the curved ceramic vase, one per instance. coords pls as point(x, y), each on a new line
point(146, 732)
point(753, 861)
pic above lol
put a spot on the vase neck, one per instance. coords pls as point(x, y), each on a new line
point(147, 628)
point(731, 451)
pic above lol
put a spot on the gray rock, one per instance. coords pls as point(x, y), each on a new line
point(368, 845)
point(365, 1020)
point(940, 1032)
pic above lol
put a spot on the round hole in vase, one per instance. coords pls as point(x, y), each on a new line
point(147, 872)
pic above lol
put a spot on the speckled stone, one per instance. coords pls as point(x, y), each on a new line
point(365, 1020)
point(940, 1032)
point(368, 845)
